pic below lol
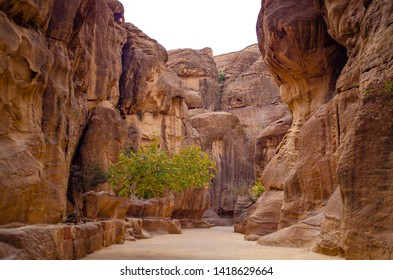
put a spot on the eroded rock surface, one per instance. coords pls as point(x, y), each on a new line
point(331, 61)
point(223, 137)
point(197, 70)
point(250, 93)
point(55, 66)
point(59, 242)
point(264, 220)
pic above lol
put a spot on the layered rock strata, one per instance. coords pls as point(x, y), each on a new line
point(68, 102)
point(59, 242)
point(55, 67)
point(333, 64)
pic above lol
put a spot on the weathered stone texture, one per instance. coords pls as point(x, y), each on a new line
point(152, 97)
point(55, 66)
point(250, 93)
point(264, 220)
point(197, 70)
point(59, 242)
point(331, 61)
point(222, 136)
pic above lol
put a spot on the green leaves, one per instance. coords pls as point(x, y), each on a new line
point(150, 171)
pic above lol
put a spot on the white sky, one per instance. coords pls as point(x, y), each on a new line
point(223, 25)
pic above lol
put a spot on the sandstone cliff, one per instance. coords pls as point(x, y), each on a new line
point(333, 62)
point(250, 93)
point(55, 69)
point(68, 101)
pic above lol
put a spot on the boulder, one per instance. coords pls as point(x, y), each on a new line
point(101, 205)
point(266, 217)
point(303, 234)
point(154, 207)
point(191, 204)
point(244, 207)
point(161, 226)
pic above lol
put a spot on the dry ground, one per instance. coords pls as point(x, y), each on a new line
point(217, 243)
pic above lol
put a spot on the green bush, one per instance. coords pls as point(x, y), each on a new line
point(221, 81)
point(389, 87)
point(88, 177)
point(150, 171)
point(257, 190)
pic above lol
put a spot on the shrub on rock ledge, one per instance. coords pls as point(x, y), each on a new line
point(151, 171)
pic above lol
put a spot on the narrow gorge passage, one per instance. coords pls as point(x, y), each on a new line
point(217, 243)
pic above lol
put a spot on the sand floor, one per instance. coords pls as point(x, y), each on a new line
point(217, 243)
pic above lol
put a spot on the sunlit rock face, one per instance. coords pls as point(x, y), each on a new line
point(331, 61)
point(55, 67)
point(78, 85)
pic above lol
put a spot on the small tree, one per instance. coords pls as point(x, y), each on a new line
point(148, 172)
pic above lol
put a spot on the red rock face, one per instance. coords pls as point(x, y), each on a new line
point(341, 135)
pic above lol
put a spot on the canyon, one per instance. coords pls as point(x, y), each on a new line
point(307, 112)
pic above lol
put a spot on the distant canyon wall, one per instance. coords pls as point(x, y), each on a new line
point(231, 99)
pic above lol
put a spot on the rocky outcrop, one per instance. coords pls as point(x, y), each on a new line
point(329, 238)
point(152, 96)
point(190, 205)
point(169, 212)
point(59, 242)
point(197, 70)
point(102, 205)
point(264, 220)
point(154, 207)
point(268, 143)
point(244, 208)
point(302, 234)
point(332, 61)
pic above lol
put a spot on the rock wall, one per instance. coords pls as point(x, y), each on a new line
point(229, 136)
point(55, 67)
point(152, 96)
point(250, 93)
point(59, 242)
point(222, 136)
point(67, 100)
point(332, 62)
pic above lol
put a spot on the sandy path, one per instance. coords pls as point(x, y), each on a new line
point(217, 243)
